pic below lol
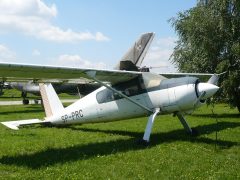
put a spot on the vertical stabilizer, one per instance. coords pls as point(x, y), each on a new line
point(136, 54)
point(51, 101)
point(214, 79)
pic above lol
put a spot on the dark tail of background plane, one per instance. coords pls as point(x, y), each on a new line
point(134, 57)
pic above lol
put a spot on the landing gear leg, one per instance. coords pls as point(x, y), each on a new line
point(1, 88)
point(148, 129)
point(1, 91)
point(183, 121)
point(25, 100)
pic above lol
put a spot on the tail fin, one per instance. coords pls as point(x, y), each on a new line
point(215, 77)
point(51, 101)
point(135, 55)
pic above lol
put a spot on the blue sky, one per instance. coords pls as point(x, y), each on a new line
point(90, 33)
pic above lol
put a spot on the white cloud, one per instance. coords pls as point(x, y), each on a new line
point(77, 61)
point(6, 54)
point(27, 8)
point(159, 55)
point(33, 17)
point(101, 37)
point(36, 52)
point(167, 42)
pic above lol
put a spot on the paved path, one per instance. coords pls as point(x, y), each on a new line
point(5, 103)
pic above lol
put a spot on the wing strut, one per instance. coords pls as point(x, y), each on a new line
point(91, 74)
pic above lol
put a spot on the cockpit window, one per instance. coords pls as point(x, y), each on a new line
point(129, 88)
point(105, 95)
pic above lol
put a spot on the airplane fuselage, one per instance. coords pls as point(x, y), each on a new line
point(170, 96)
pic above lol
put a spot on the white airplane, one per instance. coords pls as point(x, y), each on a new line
point(123, 95)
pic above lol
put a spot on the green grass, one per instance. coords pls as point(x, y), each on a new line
point(110, 151)
point(15, 95)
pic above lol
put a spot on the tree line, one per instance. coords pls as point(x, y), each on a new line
point(209, 42)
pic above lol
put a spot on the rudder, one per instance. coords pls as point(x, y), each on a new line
point(50, 99)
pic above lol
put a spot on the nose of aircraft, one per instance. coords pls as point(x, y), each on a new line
point(209, 89)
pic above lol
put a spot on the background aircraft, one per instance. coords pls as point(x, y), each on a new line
point(2, 86)
point(72, 89)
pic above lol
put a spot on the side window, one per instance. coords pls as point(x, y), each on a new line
point(132, 90)
point(132, 87)
point(116, 96)
point(104, 96)
point(129, 88)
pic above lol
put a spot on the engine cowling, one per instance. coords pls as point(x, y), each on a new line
point(194, 94)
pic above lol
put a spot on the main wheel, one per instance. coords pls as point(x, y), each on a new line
point(143, 142)
point(25, 101)
point(194, 132)
point(35, 101)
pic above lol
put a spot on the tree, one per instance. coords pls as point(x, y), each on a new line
point(209, 41)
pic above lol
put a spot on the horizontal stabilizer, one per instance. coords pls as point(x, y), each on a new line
point(214, 79)
point(15, 124)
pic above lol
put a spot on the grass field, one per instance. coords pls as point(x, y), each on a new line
point(110, 151)
point(15, 95)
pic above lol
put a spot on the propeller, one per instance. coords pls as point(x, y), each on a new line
point(199, 100)
point(205, 90)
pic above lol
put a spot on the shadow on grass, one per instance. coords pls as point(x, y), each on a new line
point(217, 115)
point(53, 156)
point(27, 109)
point(22, 112)
point(11, 97)
point(204, 129)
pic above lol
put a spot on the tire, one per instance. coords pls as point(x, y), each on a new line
point(25, 101)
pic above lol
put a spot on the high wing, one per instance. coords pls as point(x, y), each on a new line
point(185, 74)
point(46, 73)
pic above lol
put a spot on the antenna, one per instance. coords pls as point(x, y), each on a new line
point(157, 67)
point(147, 69)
